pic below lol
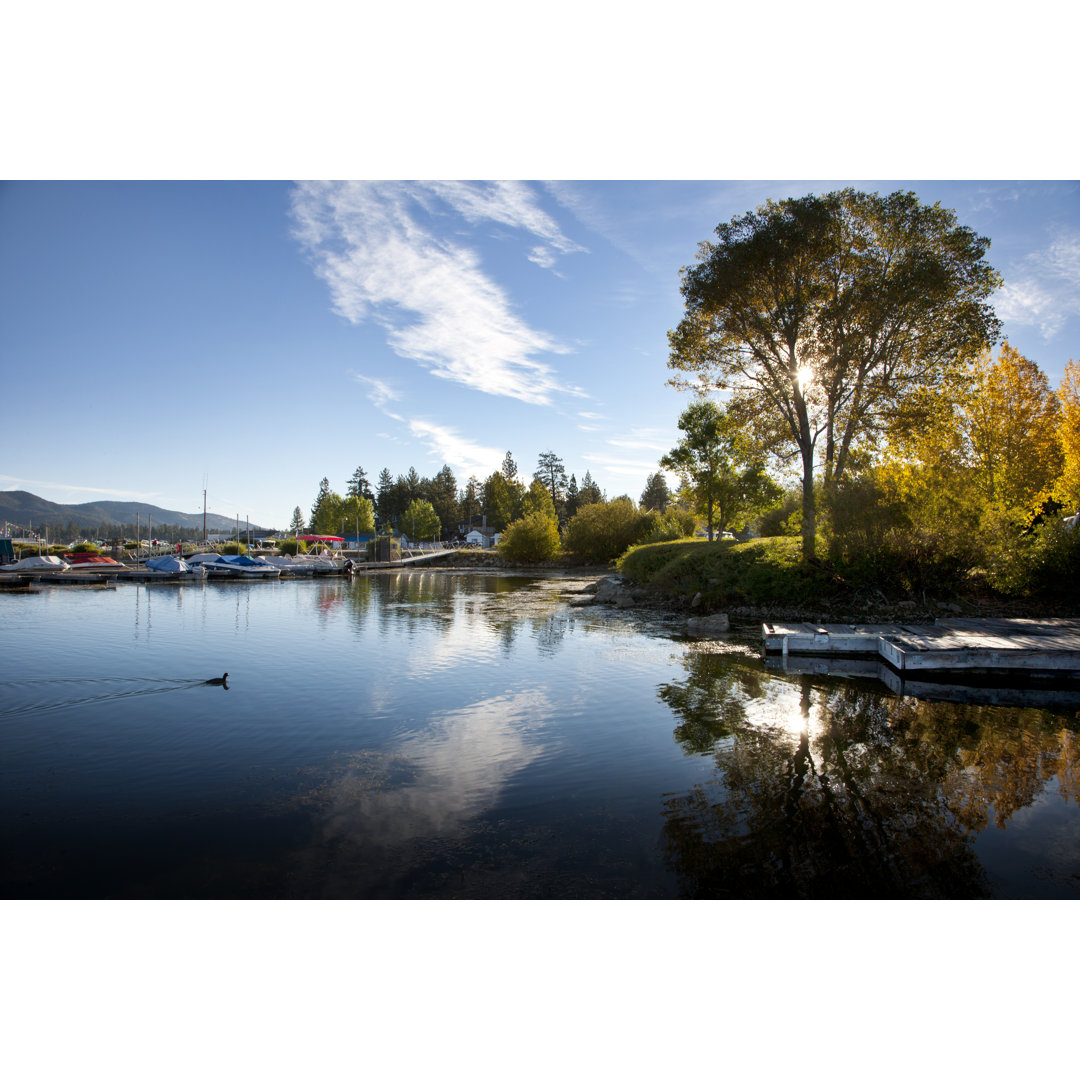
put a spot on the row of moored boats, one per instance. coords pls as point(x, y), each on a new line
point(173, 567)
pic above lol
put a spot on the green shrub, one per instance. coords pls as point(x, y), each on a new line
point(1055, 563)
point(673, 524)
point(784, 519)
point(531, 539)
point(87, 547)
point(600, 532)
point(292, 547)
point(233, 548)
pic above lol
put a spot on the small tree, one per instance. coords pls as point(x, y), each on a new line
point(656, 495)
point(359, 514)
point(601, 532)
point(706, 459)
point(297, 523)
point(329, 513)
point(531, 539)
point(420, 522)
point(589, 491)
point(538, 501)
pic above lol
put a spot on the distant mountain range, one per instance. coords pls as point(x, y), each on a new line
point(23, 508)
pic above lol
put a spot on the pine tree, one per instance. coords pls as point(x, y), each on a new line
point(297, 523)
point(572, 502)
point(590, 491)
point(552, 474)
point(470, 501)
point(656, 495)
point(441, 492)
point(509, 467)
point(383, 494)
point(320, 499)
point(358, 486)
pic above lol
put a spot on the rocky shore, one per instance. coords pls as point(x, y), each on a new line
point(619, 592)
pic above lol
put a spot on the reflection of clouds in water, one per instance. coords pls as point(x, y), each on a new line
point(439, 779)
point(464, 642)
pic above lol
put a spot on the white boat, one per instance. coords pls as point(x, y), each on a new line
point(87, 562)
point(289, 566)
point(235, 566)
point(170, 564)
point(36, 564)
point(324, 564)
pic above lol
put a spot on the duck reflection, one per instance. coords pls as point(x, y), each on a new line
point(823, 791)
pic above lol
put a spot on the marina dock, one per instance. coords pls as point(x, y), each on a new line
point(972, 646)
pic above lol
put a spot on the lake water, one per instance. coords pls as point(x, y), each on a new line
point(436, 734)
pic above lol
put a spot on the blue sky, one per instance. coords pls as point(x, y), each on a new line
point(266, 334)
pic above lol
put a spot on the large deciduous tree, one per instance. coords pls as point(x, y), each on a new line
point(996, 438)
point(1012, 418)
point(825, 316)
point(1069, 394)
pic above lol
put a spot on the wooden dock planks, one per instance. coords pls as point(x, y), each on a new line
point(973, 645)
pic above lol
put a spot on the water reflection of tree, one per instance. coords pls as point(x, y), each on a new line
point(711, 703)
point(847, 793)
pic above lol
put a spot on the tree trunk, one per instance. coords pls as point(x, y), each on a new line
point(809, 521)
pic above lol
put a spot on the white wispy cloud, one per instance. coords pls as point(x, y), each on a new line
point(1045, 290)
point(620, 466)
point(380, 392)
point(434, 300)
point(542, 256)
point(643, 439)
point(508, 202)
point(463, 455)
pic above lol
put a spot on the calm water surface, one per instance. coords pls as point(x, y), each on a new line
point(439, 735)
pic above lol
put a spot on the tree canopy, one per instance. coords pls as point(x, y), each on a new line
point(824, 317)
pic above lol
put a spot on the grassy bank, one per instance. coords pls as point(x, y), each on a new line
point(767, 575)
point(725, 573)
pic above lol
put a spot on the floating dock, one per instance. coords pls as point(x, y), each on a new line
point(972, 646)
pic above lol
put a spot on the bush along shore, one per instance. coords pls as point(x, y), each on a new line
point(766, 580)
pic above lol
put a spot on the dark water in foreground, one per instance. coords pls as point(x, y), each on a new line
point(439, 735)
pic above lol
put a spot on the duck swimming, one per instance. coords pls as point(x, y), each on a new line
point(223, 681)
